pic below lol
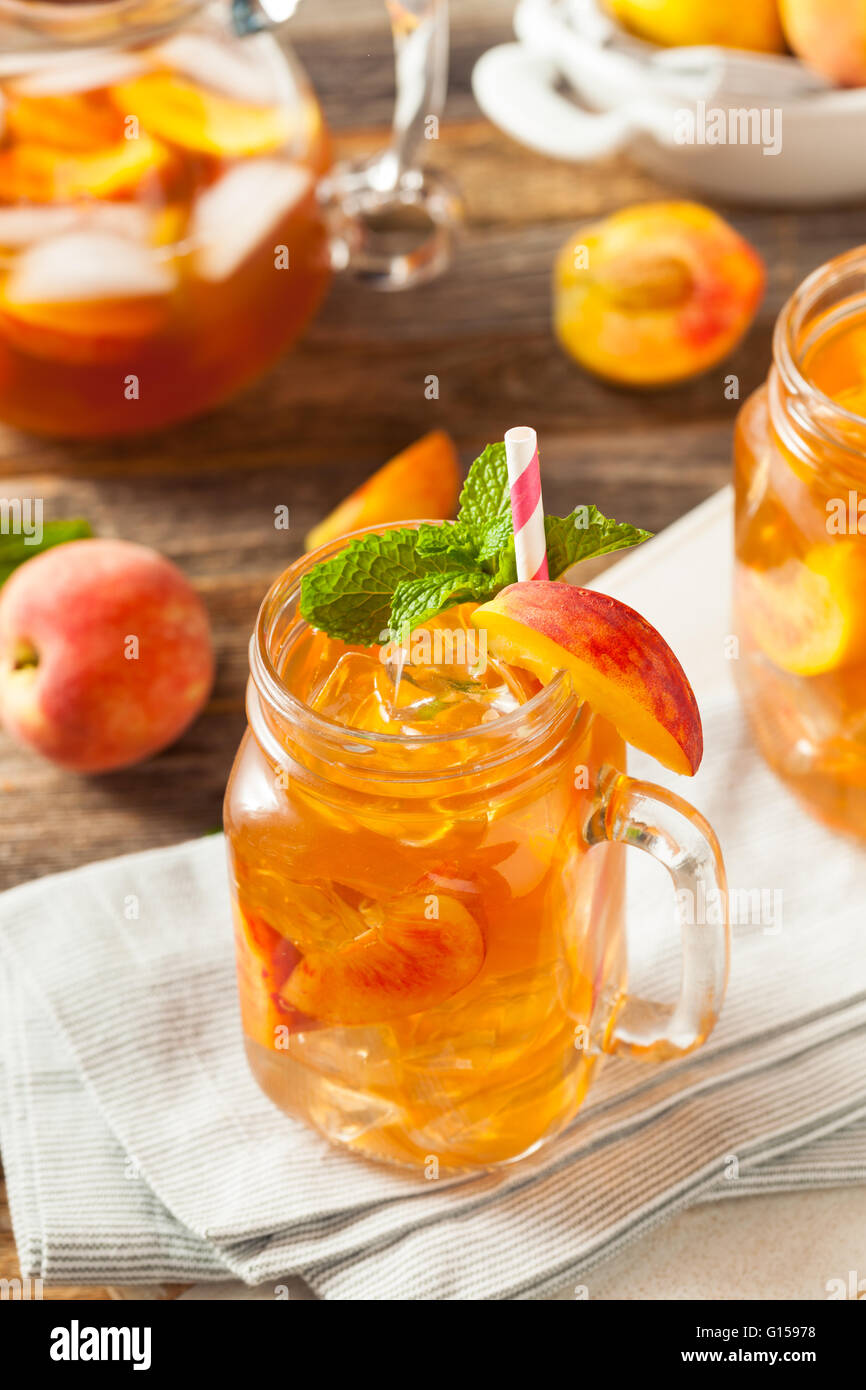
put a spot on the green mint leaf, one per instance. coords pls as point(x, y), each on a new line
point(505, 572)
point(485, 498)
point(15, 550)
point(380, 584)
point(417, 600)
point(349, 596)
point(428, 710)
point(497, 536)
point(585, 534)
point(452, 539)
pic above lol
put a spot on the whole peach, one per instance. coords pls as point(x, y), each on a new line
point(105, 654)
point(829, 35)
point(750, 24)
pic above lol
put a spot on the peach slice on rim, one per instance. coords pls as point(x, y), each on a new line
point(412, 961)
point(617, 661)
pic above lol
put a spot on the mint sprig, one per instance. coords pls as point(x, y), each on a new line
point(379, 584)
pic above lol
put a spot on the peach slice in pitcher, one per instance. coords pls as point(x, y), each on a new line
point(42, 173)
point(78, 121)
point(420, 481)
point(200, 120)
point(426, 949)
point(616, 659)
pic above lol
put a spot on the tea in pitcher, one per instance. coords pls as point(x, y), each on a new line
point(160, 236)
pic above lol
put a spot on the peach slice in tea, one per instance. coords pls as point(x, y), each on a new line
point(426, 948)
point(421, 481)
point(265, 959)
point(232, 217)
point(616, 659)
point(43, 174)
point(807, 616)
point(202, 121)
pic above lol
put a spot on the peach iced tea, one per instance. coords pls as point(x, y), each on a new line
point(426, 821)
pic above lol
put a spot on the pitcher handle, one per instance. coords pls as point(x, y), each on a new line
point(666, 827)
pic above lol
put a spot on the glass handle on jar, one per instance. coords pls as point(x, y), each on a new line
point(666, 827)
point(392, 218)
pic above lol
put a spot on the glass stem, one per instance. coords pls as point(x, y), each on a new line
point(420, 33)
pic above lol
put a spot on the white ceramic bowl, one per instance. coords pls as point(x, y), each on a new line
point(773, 132)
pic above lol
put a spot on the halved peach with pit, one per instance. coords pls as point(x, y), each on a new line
point(420, 481)
point(618, 662)
point(656, 293)
point(807, 616)
point(426, 949)
point(184, 114)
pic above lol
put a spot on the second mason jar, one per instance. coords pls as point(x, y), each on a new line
point(800, 573)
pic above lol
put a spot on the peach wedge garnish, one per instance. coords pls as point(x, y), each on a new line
point(655, 293)
point(421, 481)
point(616, 659)
point(414, 960)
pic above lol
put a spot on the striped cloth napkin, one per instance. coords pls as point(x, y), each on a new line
point(138, 1149)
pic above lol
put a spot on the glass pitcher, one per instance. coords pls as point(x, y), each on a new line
point(166, 229)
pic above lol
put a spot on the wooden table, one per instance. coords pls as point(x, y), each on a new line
point(352, 395)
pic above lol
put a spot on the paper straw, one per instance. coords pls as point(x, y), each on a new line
point(527, 508)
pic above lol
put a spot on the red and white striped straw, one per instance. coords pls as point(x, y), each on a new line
point(527, 509)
